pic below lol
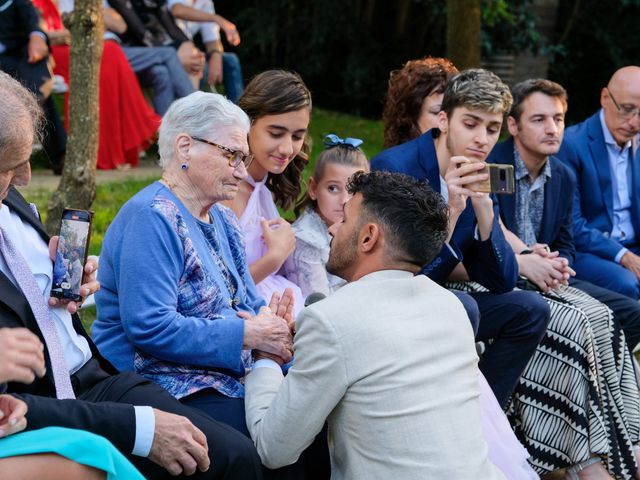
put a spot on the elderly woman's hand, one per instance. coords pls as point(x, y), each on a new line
point(269, 333)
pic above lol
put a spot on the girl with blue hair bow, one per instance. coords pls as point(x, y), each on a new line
point(322, 204)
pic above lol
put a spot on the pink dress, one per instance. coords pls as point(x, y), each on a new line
point(505, 451)
point(261, 205)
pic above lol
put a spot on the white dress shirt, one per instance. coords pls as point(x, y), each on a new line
point(620, 168)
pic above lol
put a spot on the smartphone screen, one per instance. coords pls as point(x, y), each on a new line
point(71, 256)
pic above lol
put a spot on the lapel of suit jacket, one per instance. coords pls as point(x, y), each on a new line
point(428, 160)
point(503, 153)
point(551, 203)
point(635, 185)
point(600, 158)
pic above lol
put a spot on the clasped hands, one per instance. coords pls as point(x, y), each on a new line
point(270, 333)
point(547, 270)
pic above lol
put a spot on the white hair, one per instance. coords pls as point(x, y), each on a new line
point(198, 114)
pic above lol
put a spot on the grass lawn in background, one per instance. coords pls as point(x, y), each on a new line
point(111, 196)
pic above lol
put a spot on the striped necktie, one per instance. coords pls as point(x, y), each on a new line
point(30, 289)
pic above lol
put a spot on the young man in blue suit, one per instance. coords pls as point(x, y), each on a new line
point(601, 152)
point(540, 212)
point(449, 158)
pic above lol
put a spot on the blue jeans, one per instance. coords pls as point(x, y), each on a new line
point(231, 76)
point(160, 69)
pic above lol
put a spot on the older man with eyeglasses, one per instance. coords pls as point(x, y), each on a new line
point(602, 151)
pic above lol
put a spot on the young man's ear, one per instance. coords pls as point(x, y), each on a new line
point(370, 237)
point(443, 122)
point(512, 125)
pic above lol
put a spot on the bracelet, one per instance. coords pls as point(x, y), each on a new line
point(526, 251)
point(216, 50)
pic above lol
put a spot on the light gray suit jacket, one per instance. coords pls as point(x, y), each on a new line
point(389, 361)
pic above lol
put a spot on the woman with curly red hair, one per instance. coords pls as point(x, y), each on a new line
point(414, 98)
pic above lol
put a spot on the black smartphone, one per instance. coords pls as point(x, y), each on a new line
point(71, 256)
point(501, 179)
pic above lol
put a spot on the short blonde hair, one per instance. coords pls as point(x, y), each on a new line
point(477, 89)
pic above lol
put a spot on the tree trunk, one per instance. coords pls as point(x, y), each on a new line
point(77, 188)
point(463, 33)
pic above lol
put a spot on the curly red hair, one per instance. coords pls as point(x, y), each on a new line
point(408, 87)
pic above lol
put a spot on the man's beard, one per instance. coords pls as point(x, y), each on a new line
point(342, 257)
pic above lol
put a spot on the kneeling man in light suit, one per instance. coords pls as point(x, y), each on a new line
point(388, 360)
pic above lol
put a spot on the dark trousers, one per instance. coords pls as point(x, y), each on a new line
point(471, 307)
point(625, 309)
point(515, 322)
point(232, 455)
point(313, 463)
point(33, 76)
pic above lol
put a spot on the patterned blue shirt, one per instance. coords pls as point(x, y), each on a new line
point(529, 199)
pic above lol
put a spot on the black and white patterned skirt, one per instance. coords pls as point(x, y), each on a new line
point(578, 394)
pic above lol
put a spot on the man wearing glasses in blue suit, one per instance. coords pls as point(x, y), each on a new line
point(602, 151)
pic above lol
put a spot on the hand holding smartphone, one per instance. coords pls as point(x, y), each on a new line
point(71, 255)
point(500, 181)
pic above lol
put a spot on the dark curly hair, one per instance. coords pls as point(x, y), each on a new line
point(275, 92)
point(413, 216)
point(408, 87)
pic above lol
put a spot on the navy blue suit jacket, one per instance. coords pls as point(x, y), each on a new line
point(556, 226)
point(490, 263)
point(584, 151)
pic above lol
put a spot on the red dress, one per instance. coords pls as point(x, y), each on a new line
point(127, 122)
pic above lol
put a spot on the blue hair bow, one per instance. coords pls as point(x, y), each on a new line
point(332, 140)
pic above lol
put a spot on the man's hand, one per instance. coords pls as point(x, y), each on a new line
point(191, 58)
point(229, 29)
point(178, 445)
point(267, 332)
point(21, 356)
point(215, 75)
point(89, 283)
point(459, 176)
point(12, 415)
point(546, 273)
point(631, 262)
point(37, 48)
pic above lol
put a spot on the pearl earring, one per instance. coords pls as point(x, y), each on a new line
point(184, 166)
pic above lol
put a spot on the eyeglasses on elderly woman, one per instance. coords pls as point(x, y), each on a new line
point(235, 157)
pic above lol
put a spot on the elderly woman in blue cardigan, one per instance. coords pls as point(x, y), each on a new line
point(178, 304)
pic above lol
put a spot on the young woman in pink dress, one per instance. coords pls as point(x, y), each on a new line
point(279, 106)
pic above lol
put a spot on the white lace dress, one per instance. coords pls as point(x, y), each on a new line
point(306, 267)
